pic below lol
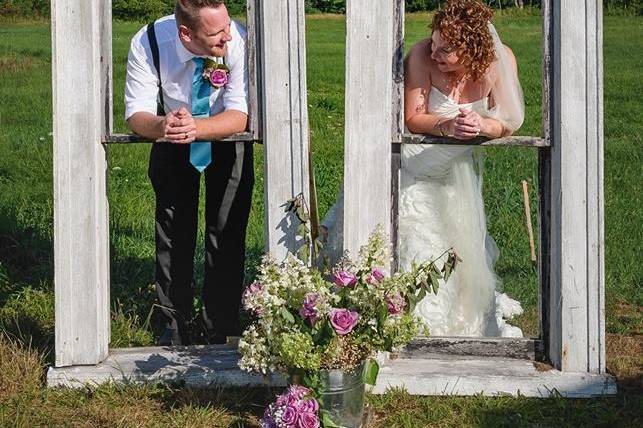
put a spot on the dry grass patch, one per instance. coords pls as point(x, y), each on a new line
point(625, 360)
point(21, 371)
point(15, 64)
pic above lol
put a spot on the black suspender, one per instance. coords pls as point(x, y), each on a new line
point(154, 46)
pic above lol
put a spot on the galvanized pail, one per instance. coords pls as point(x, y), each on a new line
point(342, 396)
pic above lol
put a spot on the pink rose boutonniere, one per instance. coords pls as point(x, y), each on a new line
point(215, 73)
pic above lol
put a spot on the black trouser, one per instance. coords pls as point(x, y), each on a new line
point(228, 192)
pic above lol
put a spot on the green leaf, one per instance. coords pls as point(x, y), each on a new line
point(302, 230)
point(446, 269)
point(301, 213)
point(304, 252)
point(420, 295)
point(287, 315)
point(370, 371)
point(435, 284)
point(382, 314)
point(326, 421)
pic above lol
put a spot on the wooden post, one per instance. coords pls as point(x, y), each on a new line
point(370, 61)
point(576, 299)
point(81, 66)
point(285, 113)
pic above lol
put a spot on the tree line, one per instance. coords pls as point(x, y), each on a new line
point(145, 10)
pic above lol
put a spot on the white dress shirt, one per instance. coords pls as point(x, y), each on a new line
point(177, 71)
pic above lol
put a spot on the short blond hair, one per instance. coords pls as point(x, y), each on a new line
point(186, 12)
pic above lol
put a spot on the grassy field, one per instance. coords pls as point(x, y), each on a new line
point(26, 260)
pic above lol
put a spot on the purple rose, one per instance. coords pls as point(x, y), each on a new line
point(343, 320)
point(376, 275)
point(308, 406)
point(308, 420)
point(395, 304)
point(289, 416)
point(218, 78)
point(344, 278)
point(308, 309)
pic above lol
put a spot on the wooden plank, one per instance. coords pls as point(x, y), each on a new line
point(522, 348)
point(544, 245)
point(397, 121)
point(81, 63)
point(576, 326)
point(284, 102)
point(513, 141)
point(253, 47)
point(490, 377)
point(216, 366)
point(133, 138)
point(544, 181)
point(396, 171)
point(594, 153)
point(368, 120)
point(197, 366)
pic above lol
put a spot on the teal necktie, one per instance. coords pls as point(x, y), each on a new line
point(200, 153)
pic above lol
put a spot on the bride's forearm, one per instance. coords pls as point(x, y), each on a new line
point(427, 124)
point(492, 128)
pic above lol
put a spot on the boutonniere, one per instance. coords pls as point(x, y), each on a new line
point(215, 73)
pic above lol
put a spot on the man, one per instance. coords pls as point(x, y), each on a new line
point(195, 109)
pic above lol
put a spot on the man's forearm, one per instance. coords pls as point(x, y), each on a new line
point(147, 125)
point(221, 126)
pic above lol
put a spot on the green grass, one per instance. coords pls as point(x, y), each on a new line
point(26, 260)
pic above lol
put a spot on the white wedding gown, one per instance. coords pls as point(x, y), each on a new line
point(440, 207)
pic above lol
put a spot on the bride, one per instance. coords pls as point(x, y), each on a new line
point(461, 82)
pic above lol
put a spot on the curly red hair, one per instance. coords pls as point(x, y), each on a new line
point(463, 24)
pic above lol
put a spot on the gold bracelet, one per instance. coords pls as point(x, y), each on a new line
point(440, 129)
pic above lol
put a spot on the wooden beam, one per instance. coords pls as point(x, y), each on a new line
point(133, 138)
point(253, 49)
point(421, 374)
point(285, 108)
point(370, 53)
point(513, 141)
point(577, 332)
point(81, 71)
point(521, 348)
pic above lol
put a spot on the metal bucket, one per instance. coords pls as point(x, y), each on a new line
point(342, 396)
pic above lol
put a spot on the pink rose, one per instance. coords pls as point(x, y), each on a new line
point(376, 275)
point(343, 320)
point(343, 278)
point(289, 416)
point(395, 304)
point(308, 420)
point(218, 77)
point(308, 406)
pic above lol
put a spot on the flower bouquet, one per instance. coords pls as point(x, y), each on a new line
point(309, 323)
point(295, 408)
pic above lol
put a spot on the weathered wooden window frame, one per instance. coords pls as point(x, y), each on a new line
point(571, 198)
point(82, 66)
point(570, 159)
